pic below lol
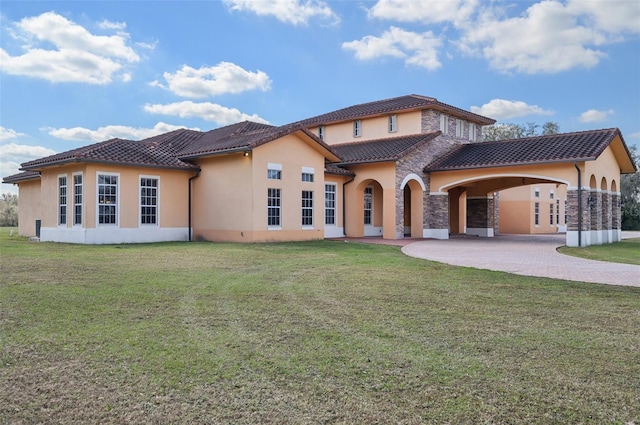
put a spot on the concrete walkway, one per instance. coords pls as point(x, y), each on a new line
point(528, 255)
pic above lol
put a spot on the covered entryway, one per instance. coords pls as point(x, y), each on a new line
point(588, 163)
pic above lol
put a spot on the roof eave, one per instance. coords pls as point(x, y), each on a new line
point(510, 164)
point(39, 167)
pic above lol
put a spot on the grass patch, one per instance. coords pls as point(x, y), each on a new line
point(626, 251)
point(317, 332)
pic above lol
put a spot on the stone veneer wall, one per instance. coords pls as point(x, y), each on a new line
point(616, 213)
point(595, 206)
point(606, 211)
point(480, 213)
point(572, 210)
point(414, 162)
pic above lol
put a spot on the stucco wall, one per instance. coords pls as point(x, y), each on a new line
point(28, 207)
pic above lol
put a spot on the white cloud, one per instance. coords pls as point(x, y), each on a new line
point(78, 56)
point(416, 49)
point(108, 25)
point(82, 134)
point(9, 134)
point(13, 154)
point(501, 109)
point(635, 135)
point(296, 12)
point(455, 11)
point(550, 36)
point(23, 153)
point(611, 16)
point(593, 115)
point(223, 78)
point(205, 110)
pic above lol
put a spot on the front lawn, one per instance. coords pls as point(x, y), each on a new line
point(291, 333)
point(626, 251)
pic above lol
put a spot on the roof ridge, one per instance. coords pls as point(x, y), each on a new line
point(554, 135)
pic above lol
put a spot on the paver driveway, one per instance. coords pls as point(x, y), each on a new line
point(529, 255)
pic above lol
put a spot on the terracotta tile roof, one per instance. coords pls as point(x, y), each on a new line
point(565, 147)
point(20, 177)
point(334, 169)
point(245, 135)
point(158, 151)
point(381, 150)
point(387, 106)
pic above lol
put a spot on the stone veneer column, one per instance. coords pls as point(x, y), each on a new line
point(575, 235)
point(437, 216)
point(616, 217)
point(480, 218)
point(607, 234)
point(595, 207)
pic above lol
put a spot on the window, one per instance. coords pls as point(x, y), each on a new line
point(472, 132)
point(307, 208)
point(274, 171)
point(368, 205)
point(536, 214)
point(357, 128)
point(148, 200)
point(393, 123)
point(566, 204)
point(307, 174)
point(558, 211)
point(444, 124)
point(77, 199)
point(551, 214)
point(551, 195)
point(536, 193)
point(273, 208)
point(107, 199)
point(62, 200)
point(459, 128)
point(321, 132)
point(330, 204)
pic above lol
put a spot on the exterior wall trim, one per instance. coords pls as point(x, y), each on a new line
point(450, 185)
point(413, 176)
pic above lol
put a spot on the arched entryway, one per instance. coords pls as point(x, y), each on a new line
point(411, 219)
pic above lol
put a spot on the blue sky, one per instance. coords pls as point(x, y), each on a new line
point(79, 72)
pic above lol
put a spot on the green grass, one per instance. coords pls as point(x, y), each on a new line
point(290, 333)
point(626, 251)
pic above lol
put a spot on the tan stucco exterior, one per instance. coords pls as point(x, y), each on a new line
point(29, 209)
point(518, 209)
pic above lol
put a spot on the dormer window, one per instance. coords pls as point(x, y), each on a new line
point(357, 128)
point(444, 124)
point(321, 132)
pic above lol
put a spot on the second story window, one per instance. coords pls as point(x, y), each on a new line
point(357, 128)
point(393, 123)
point(459, 127)
point(472, 132)
point(274, 171)
point(321, 132)
point(444, 124)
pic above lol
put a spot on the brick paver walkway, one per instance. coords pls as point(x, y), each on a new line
point(528, 255)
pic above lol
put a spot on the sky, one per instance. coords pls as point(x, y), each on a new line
point(79, 72)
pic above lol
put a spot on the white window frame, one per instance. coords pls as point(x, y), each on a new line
point(307, 209)
point(271, 196)
point(368, 206)
point(78, 199)
point(551, 214)
point(117, 197)
point(357, 128)
point(536, 214)
point(63, 199)
point(321, 132)
point(536, 192)
point(157, 199)
point(274, 171)
point(307, 174)
point(393, 123)
point(459, 127)
point(472, 132)
point(330, 204)
point(444, 124)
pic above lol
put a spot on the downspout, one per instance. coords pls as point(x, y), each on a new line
point(344, 209)
point(575, 164)
point(190, 226)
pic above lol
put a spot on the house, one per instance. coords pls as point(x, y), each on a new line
point(534, 209)
point(409, 166)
